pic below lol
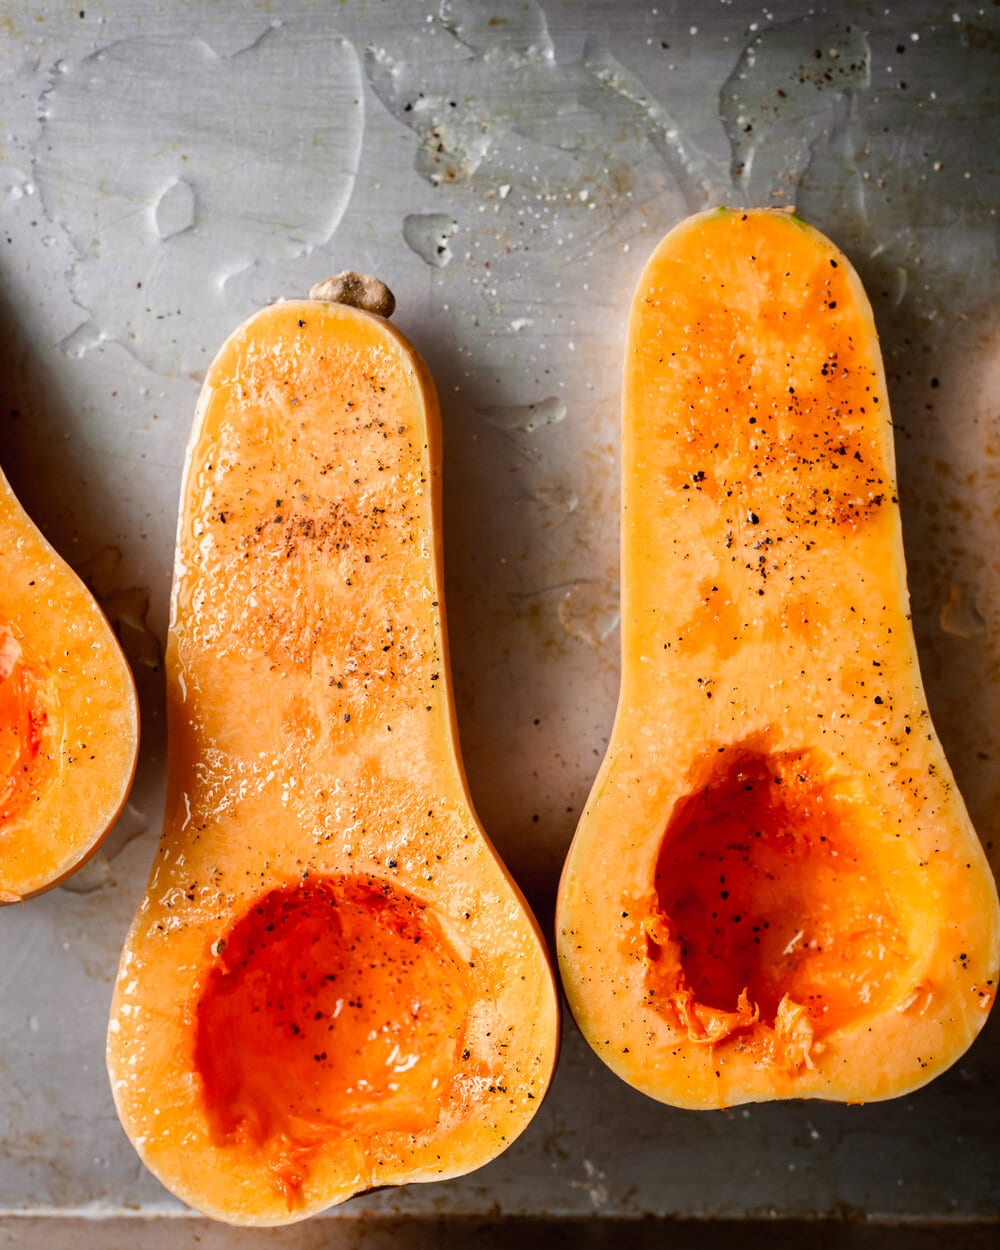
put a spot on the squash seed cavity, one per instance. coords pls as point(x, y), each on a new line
point(335, 1010)
point(27, 705)
point(768, 914)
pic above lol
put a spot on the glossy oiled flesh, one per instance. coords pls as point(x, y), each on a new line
point(774, 889)
point(306, 591)
point(762, 440)
point(364, 999)
point(306, 625)
point(769, 458)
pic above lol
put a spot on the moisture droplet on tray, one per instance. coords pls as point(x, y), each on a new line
point(589, 612)
point(526, 418)
point(175, 210)
point(429, 234)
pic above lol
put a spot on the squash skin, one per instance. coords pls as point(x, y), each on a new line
point(314, 778)
point(772, 758)
point(67, 692)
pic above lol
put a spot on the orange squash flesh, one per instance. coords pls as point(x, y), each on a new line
point(331, 982)
point(774, 890)
point(69, 724)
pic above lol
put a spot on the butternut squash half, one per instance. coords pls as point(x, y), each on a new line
point(69, 720)
point(774, 890)
point(331, 982)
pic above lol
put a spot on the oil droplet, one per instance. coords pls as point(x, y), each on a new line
point(526, 418)
point(457, 110)
point(779, 101)
point(589, 612)
point(479, 107)
point(429, 234)
point(558, 498)
point(175, 210)
point(960, 614)
point(593, 1184)
point(127, 609)
point(94, 875)
point(236, 201)
point(695, 175)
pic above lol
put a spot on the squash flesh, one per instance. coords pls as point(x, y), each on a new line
point(769, 687)
point(68, 713)
point(317, 821)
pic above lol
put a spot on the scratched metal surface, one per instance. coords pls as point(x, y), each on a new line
point(167, 167)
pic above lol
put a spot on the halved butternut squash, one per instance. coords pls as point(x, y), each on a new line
point(774, 890)
point(69, 720)
point(331, 982)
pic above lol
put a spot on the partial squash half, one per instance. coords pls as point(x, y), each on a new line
point(774, 890)
point(69, 719)
point(331, 983)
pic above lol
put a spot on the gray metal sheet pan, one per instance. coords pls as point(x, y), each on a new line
point(167, 167)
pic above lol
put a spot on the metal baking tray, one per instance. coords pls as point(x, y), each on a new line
point(506, 167)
